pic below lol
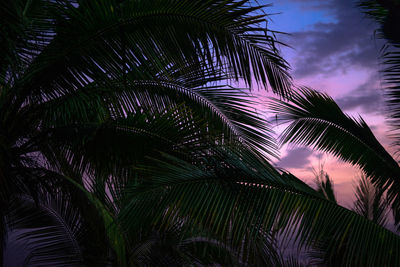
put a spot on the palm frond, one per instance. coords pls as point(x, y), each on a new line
point(387, 14)
point(221, 107)
point(370, 202)
point(236, 204)
point(316, 120)
point(108, 42)
point(50, 230)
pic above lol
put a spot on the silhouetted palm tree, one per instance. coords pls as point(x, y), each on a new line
point(116, 129)
point(371, 202)
point(324, 184)
point(316, 120)
point(90, 90)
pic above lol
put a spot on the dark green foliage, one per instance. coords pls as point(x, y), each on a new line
point(316, 120)
point(121, 145)
point(91, 90)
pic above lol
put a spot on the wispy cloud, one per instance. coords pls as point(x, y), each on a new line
point(367, 97)
point(342, 44)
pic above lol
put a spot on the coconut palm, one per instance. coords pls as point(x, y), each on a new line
point(119, 136)
point(90, 89)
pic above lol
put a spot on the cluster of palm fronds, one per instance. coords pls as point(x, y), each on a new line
point(316, 120)
point(120, 143)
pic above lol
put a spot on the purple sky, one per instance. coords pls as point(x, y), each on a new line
point(333, 50)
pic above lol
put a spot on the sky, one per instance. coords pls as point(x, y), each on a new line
point(332, 50)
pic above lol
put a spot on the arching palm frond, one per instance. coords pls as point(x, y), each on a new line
point(56, 51)
point(133, 67)
point(316, 120)
point(54, 232)
point(221, 107)
point(235, 202)
point(74, 73)
point(93, 41)
point(175, 131)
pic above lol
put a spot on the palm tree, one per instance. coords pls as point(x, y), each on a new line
point(370, 201)
point(90, 89)
point(316, 120)
point(324, 184)
point(117, 134)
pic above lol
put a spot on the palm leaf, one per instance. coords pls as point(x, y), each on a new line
point(370, 202)
point(235, 204)
point(386, 13)
point(222, 107)
point(316, 120)
point(50, 230)
point(110, 38)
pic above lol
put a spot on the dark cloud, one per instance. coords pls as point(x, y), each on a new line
point(296, 158)
point(338, 45)
point(367, 97)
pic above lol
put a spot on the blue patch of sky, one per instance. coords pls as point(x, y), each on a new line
point(294, 16)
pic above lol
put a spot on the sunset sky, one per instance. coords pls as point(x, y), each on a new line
point(334, 51)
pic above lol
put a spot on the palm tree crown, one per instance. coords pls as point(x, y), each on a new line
point(121, 144)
